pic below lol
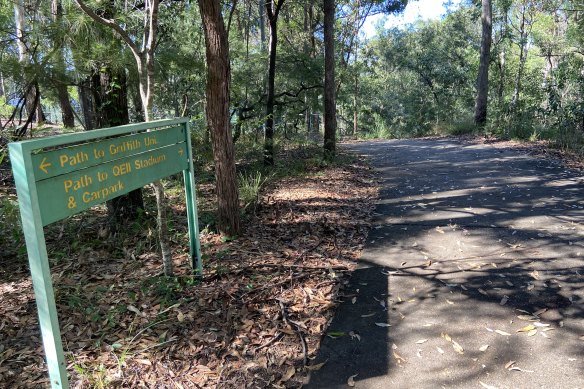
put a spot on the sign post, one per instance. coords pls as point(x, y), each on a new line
point(62, 175)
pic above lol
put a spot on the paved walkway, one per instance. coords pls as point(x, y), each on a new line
point(470, 245)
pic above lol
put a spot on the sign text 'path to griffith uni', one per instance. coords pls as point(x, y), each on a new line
point(77, 177)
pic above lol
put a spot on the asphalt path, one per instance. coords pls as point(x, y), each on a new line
point(472, 275)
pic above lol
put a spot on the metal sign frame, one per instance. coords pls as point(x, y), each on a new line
point(62, 175)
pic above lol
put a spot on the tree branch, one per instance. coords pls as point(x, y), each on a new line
point(111, 24)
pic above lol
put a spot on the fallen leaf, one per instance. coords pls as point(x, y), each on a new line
point(180, 316)
point(539, 324)
point(519, 369)
point(532, 332)
point(484, 347)
point(446, 336)
point(368, 315)
point(134, 309)
point(535, 274)
point(537, 313)
point(421, 341)
point(457, 347)
point(353, 300)
point(333, 334)
point(399, 358)
point(351, 381)
point(487, 386)
point(439, 350)
point(318, 366)
point(481, 291)
point(504, 300)
point(509, 364)
point(383, 325)
point(527, 317)
point(289, 373)
point(526, 328)
point(502, 333)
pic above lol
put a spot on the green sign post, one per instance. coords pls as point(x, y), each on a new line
point(62, 175)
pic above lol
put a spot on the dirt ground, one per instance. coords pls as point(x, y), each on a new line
point(255, 319)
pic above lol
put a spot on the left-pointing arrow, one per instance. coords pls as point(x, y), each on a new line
point(44, 165)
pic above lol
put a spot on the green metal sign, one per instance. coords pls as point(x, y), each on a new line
point(59, 176)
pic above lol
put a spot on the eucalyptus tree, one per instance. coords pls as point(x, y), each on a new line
point(273, 9)
point(330, 105)
point(144, 56)
point(525, 13)
point(27, 55)
point(480, 115)
point(217, 111)
point(59, 81)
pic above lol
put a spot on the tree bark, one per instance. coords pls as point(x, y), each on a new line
point(87, 104)
point(110, 95)
point(32, 95)
point(144, 58)
point(523, 34)
point(217, 113)
point(272, 10)
point(480, 115)
point(60, 85)
point(330, 107)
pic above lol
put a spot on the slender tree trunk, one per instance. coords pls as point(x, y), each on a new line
point(330, 108)
point(32, 95)
point(262, 22)
point(144, 58)
point(60, 85)
point(522, 59)
point(110, 95)
point(270, 98)
point(355, 98)
point(2, 87)
point(480, 115)
point(87, 105)
point(272, 10)
point(217, 112)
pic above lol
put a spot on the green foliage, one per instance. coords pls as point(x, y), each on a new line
point(11, 237)
point(250, 185)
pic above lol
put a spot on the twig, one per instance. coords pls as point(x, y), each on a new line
point(296, 327)
point(271, 341)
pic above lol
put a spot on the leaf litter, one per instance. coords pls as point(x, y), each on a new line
point(254, 319)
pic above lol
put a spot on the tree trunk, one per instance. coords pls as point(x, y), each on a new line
point(217, 112)
point(87, 104)
point(32, 95)
point(60, 85)
point(523, 33)
point(270, 98)
point(330, 107)
point(480, 115)
point(262, 22)
point(65, 103)
point(272, 11)
point(2, 88)
point(110, 96)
